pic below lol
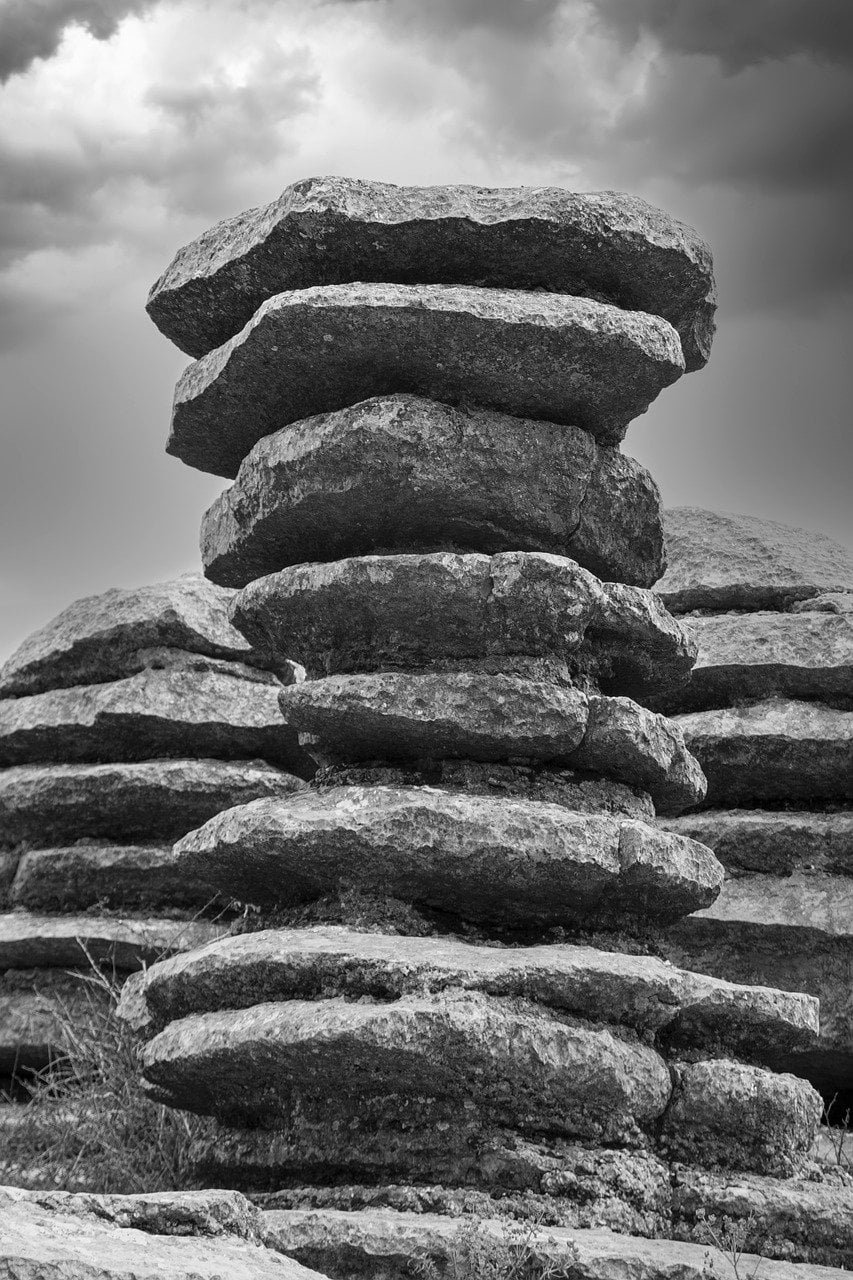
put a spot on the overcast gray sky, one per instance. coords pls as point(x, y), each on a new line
point(128, 126)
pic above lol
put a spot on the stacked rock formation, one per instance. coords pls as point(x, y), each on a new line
point(125, 722)
point(769, 712)
point(420, 394)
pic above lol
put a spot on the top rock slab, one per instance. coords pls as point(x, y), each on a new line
point(603, 244)
point(718, 561)
point(111, 636)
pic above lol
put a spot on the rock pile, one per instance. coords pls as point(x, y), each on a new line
point(125, 722)
point(447, 1008)
point(769, 712)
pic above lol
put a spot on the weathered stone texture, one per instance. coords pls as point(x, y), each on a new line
point(155, 713)
point(777, 842)
point(405, 474)
point(148, 800)
point(534, 355)
point(717, 561)
point(483, 859)
point(82, 876)
point(31, 1029)
point(119, 632)
point(774, 751)
point(332, 230)
point(29, 941)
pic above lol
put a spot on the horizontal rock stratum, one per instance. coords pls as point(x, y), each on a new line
point(412, 474)
point(371, 612)
point(332, 230)
point(535, 355)
point(500, 860)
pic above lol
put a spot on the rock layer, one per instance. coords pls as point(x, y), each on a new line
point(334, 230)
point(534, 355)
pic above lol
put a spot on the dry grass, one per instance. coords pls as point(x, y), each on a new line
point(479, 1254)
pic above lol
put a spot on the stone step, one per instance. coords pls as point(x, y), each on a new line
point(108, 636)
point(330, 230)
point(419, 716)
point(718, 561)
point(153, 714)
point(30, 941)
point(148, 800)
point(775, 751)
point(534, 355)
point(162, 1236)
point(408, 611)
point(506, 1062)
point(777, 842)
point(85, 875)
point(406, 474)
point(795, 933)
point(678, 1007)
point(760, 655)
point(382, 1242)
point(499, 860)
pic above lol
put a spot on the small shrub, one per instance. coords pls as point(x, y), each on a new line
point(729, 1237)
point(479, 1254)
point(837, 1131)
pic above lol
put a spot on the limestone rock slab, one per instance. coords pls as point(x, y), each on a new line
point(777, 842)
point(534, 355)
point(404, 715)
point(330, 230)
point(31, 1029)
point(518, 1065)
point(85, 875)
point(405, 611)
point(718, 560)
point(638, 991)
point(29, 941)
point(403, 473)
point(486, 859)
point(111, 635)
point(777, 750)
point(156, 713)
point(147, 800)
point(164, 1236)
point(760, 655)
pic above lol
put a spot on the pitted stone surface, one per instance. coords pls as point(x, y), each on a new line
point(330, 230)
point(29, 941)
point(730, 1114)
point(375, 612)
point(147, 800)
point(108, 636)
point(476, 857)
point(510, 1062)
point(155, 713)
point(777, 842)
point(807, 655)
point(406, 474)
point(534, 355)
point(82, 876)
point(639, 991)
point(404, 715)
point(718, 560)
point(779, 750)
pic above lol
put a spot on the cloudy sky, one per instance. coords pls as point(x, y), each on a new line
point(128, 126)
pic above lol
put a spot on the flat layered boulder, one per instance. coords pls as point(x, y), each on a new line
point(441, 609)
point(81, 876)
point(738, 1116)
point(53, 1235)
point(29, 941)
point(637, 991)
point(744, 656)
point(777, 842)
point(415, 716)
point(148, 800)
point(111, 635)
point(156, 713)
point(509, 860)
point(510, 1063)
point(36, 1006)
point(403, 473)
point(717, 560)
point(534, 355)
point(778, 750)
point(331, 230)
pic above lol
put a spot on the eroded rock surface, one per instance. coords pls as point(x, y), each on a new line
point(30, 941)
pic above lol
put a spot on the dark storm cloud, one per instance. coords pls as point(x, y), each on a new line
point(31, 29)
